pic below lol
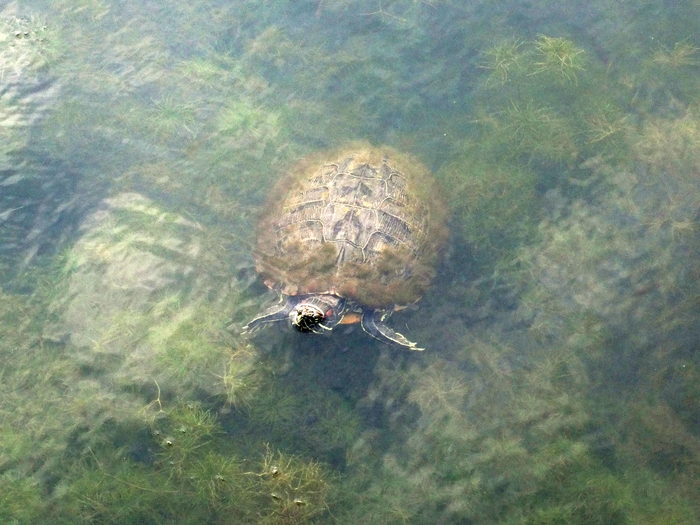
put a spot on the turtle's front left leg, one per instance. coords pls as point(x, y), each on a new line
point(274, 314)
point(373, 323)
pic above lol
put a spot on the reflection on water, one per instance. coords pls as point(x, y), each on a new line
point(138, 143)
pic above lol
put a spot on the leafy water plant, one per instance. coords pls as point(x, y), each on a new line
point(184, 429)
point(670, 146)
point(440, 390)
point(558, 104)
point(295, 412)
point(519, 447)
point(492, 445)
point(239, 380)
point(531, 130)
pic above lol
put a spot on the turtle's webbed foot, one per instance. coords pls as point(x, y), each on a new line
point(373, 324)
point(254, 326)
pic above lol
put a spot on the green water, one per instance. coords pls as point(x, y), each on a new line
point(559, 385)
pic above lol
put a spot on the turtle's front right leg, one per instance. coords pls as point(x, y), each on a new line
point(274, 314)
point(373, 324)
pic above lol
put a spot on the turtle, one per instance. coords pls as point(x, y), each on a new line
point(350, 235)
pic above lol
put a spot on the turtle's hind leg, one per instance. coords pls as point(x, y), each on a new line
point(373, 323)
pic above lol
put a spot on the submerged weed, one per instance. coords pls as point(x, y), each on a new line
point(533, 130)
point(502, 60)
point(297, 488)
point(558, 56)
point(602, 126)
point(170, 116)
point(440, 389)
point(219, 481)
point(682, 55)
point(239, 380)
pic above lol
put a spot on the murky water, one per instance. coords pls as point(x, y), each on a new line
point(139, 142)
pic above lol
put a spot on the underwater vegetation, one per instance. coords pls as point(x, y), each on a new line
point(567, 143)
point(541, 108)
point(493, 448)
point(147, 278)
point(191, 477)
point(558, 56)
point(683, 54)
point(515, 441)
point(495, 204)
point(555, 56)
point(545, 101)
point(155, 329)
point(104, 447)
point(633, 227)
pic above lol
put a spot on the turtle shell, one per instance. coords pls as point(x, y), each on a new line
point(364, 223)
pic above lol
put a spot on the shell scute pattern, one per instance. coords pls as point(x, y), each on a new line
point(364, 226)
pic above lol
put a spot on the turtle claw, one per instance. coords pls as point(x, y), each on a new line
point(373, 323)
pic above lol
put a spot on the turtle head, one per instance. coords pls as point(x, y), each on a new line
point(306, 317)
point(317, 313)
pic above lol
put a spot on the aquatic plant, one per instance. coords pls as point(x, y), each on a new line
point(246, 127)
point(529, 134)
point(294, 411)
point(239, 381)
point(220, 481)
point(649, 250)
point(99, 485)
point(52, 414)
point(683, 54)
point(21, 498)
point(440, 390)
point(496, 441)
point(186, 426)
point(495, 204)
point(558, 56)
point(208, 71)
point(188, 474)
point(297, 488)
point(206, 474)
point(671, 145)
point(28, 44)
point(481, 433)
point(503, 60)
point(169, 117)
point(607, 124)
point(557, 106)
point(660, 453)
point(271, 46)
point(533, 131)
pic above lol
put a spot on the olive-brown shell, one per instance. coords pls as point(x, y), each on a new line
point(360, 222)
